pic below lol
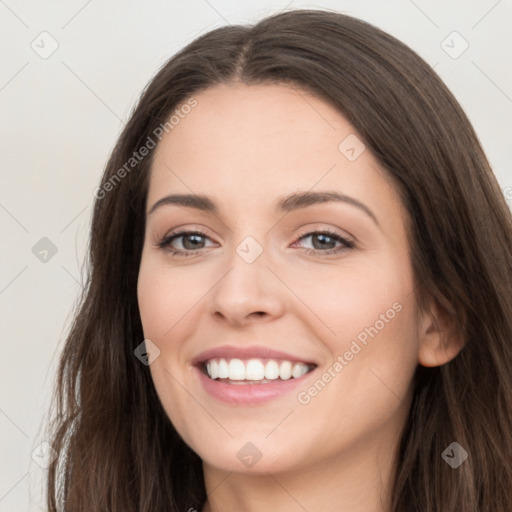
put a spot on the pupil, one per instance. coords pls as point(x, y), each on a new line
point(322, 237)
point(194, 245)
point(197, 238)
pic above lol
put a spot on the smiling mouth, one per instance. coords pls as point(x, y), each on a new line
point(254, 371)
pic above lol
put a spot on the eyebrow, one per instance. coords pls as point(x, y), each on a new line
point(286, 204)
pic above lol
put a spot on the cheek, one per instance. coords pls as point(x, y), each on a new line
point(347, 299)
point(163, 301)
point(164, 298)
point(368, 325)
point(365, 391)
point(153, 302)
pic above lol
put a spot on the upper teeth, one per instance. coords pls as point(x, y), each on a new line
point(254, 369)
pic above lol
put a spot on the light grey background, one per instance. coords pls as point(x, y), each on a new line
point(61, 116)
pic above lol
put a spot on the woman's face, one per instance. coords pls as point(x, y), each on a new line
point(278, 266)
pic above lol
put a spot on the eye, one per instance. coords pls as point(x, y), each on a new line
point(192, 244)
point(190, 241)
point(326, 240)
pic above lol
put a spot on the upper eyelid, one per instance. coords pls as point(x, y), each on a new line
point(303, 234)
point(315, 227)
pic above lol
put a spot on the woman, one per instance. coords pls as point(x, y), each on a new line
point(217, 362)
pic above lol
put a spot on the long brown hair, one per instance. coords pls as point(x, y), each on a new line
point(118, 450)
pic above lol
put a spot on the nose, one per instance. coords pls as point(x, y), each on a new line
point(247, 292)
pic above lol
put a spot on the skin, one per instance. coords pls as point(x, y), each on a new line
point(245, 147)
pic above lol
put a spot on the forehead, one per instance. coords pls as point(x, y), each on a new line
point(232, 116)
point(250, 144)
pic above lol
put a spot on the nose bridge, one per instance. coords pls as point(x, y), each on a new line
point(247, 285)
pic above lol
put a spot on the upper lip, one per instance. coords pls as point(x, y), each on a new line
point(255, 351)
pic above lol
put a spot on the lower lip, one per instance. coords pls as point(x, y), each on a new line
point(248, 394)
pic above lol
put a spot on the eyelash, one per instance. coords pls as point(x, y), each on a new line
point(164, 244)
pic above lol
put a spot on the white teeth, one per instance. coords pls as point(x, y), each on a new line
point(285, 370)
point(271, 370)
point(223, 369)
point(299, 370)
point(236, 370)
point(254, 369)
point(213, 369)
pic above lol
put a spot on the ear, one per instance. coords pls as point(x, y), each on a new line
point(439, 341)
